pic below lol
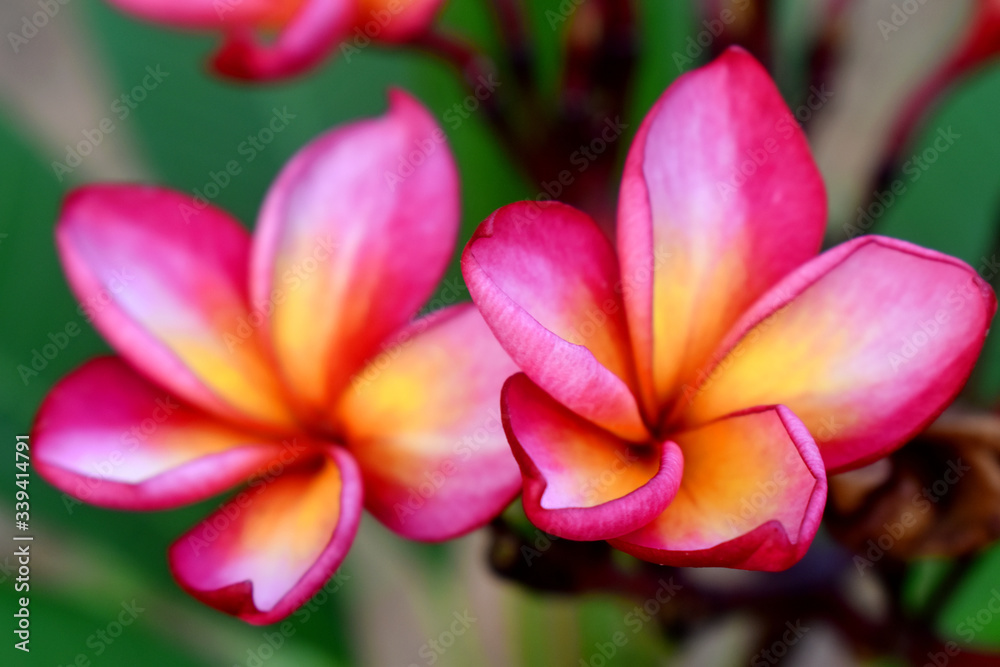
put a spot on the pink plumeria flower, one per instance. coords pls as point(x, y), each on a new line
point(289, 362)
point(307, 31)
point(685, 395)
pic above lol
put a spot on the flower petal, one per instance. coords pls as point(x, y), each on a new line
point(752, 496)
point(137, 448)
point(348, 249)
point(423, 421)
point(268, 550)
point(546, 280)
point(209, 13)
point(306, 36)
point(580, 481)
point(396, 20)
point(164, 281)
point(720, 199)
point(867, 344)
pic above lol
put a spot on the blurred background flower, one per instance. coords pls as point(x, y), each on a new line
point(304, 31)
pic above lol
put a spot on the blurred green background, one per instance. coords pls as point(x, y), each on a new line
point(89, 562)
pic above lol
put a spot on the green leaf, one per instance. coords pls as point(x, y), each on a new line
point(666, 32)
point(621, 632)
point(922, 579)
point(971, 616)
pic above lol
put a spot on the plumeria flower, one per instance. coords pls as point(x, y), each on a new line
point(305, 31)
point(685, 395)
point(290, 363)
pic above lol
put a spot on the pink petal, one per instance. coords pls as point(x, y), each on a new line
point(423, 420)
point(269, 549)
point(164, 281)
point(546, 280)
point(580, 481)
point(309, 35)
point(867, 344)
point(206, 13)
point(135, 446)
point(396, 20)
point(698, 240)
point(751, 498)
point(348, 249)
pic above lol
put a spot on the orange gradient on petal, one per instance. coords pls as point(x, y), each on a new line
point(427, 393)
point(243, 379)
point(591, 468)
point(287, 525)
point(738, 474)
point(697, 296)
point(275, 14)
point(298, 511)
point(396, 19)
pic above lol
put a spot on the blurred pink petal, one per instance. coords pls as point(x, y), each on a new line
point(268, 550)
point(276, 39)
point(730, 313)
point(424, 416)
